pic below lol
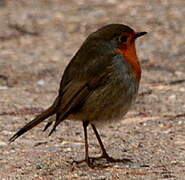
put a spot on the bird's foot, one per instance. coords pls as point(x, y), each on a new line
point(91, 160)
point(111, 159)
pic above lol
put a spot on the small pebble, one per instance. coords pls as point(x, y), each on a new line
point(2, 144)
point(41, 82)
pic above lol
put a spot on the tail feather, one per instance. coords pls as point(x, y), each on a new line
point(47, 125)
point(48, 112)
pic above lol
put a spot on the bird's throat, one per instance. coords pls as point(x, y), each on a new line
point(129, 54)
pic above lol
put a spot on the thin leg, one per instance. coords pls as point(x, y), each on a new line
point(87, 159)
point(90, 160)
point(104, 152)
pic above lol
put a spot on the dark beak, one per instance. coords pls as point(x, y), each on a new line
point(139, 34)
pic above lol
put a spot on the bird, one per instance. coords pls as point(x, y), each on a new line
point(98, 86)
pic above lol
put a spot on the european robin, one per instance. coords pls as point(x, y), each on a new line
point(99, 84)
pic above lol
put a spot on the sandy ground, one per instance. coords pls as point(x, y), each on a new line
point(38, 39)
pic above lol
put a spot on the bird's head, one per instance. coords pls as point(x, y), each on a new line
point(123, 37)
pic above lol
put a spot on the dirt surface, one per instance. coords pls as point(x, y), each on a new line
point(38, 39)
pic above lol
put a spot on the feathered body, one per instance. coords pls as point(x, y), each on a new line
point(114, 94)
point(101, 81)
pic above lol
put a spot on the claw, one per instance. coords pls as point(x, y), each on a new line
point(91, 160)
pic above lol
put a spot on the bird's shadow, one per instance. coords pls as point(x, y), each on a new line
point(99, 162)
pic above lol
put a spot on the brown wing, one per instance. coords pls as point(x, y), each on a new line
point(75, 96)
point(85, 72)
point(88, 70)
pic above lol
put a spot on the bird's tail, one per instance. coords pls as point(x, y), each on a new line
point(41, 117)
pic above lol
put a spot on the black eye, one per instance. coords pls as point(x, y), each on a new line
point(122, 39)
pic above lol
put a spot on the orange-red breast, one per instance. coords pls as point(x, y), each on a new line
point(99, 84)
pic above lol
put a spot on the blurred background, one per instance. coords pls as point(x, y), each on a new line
point(37, 40)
